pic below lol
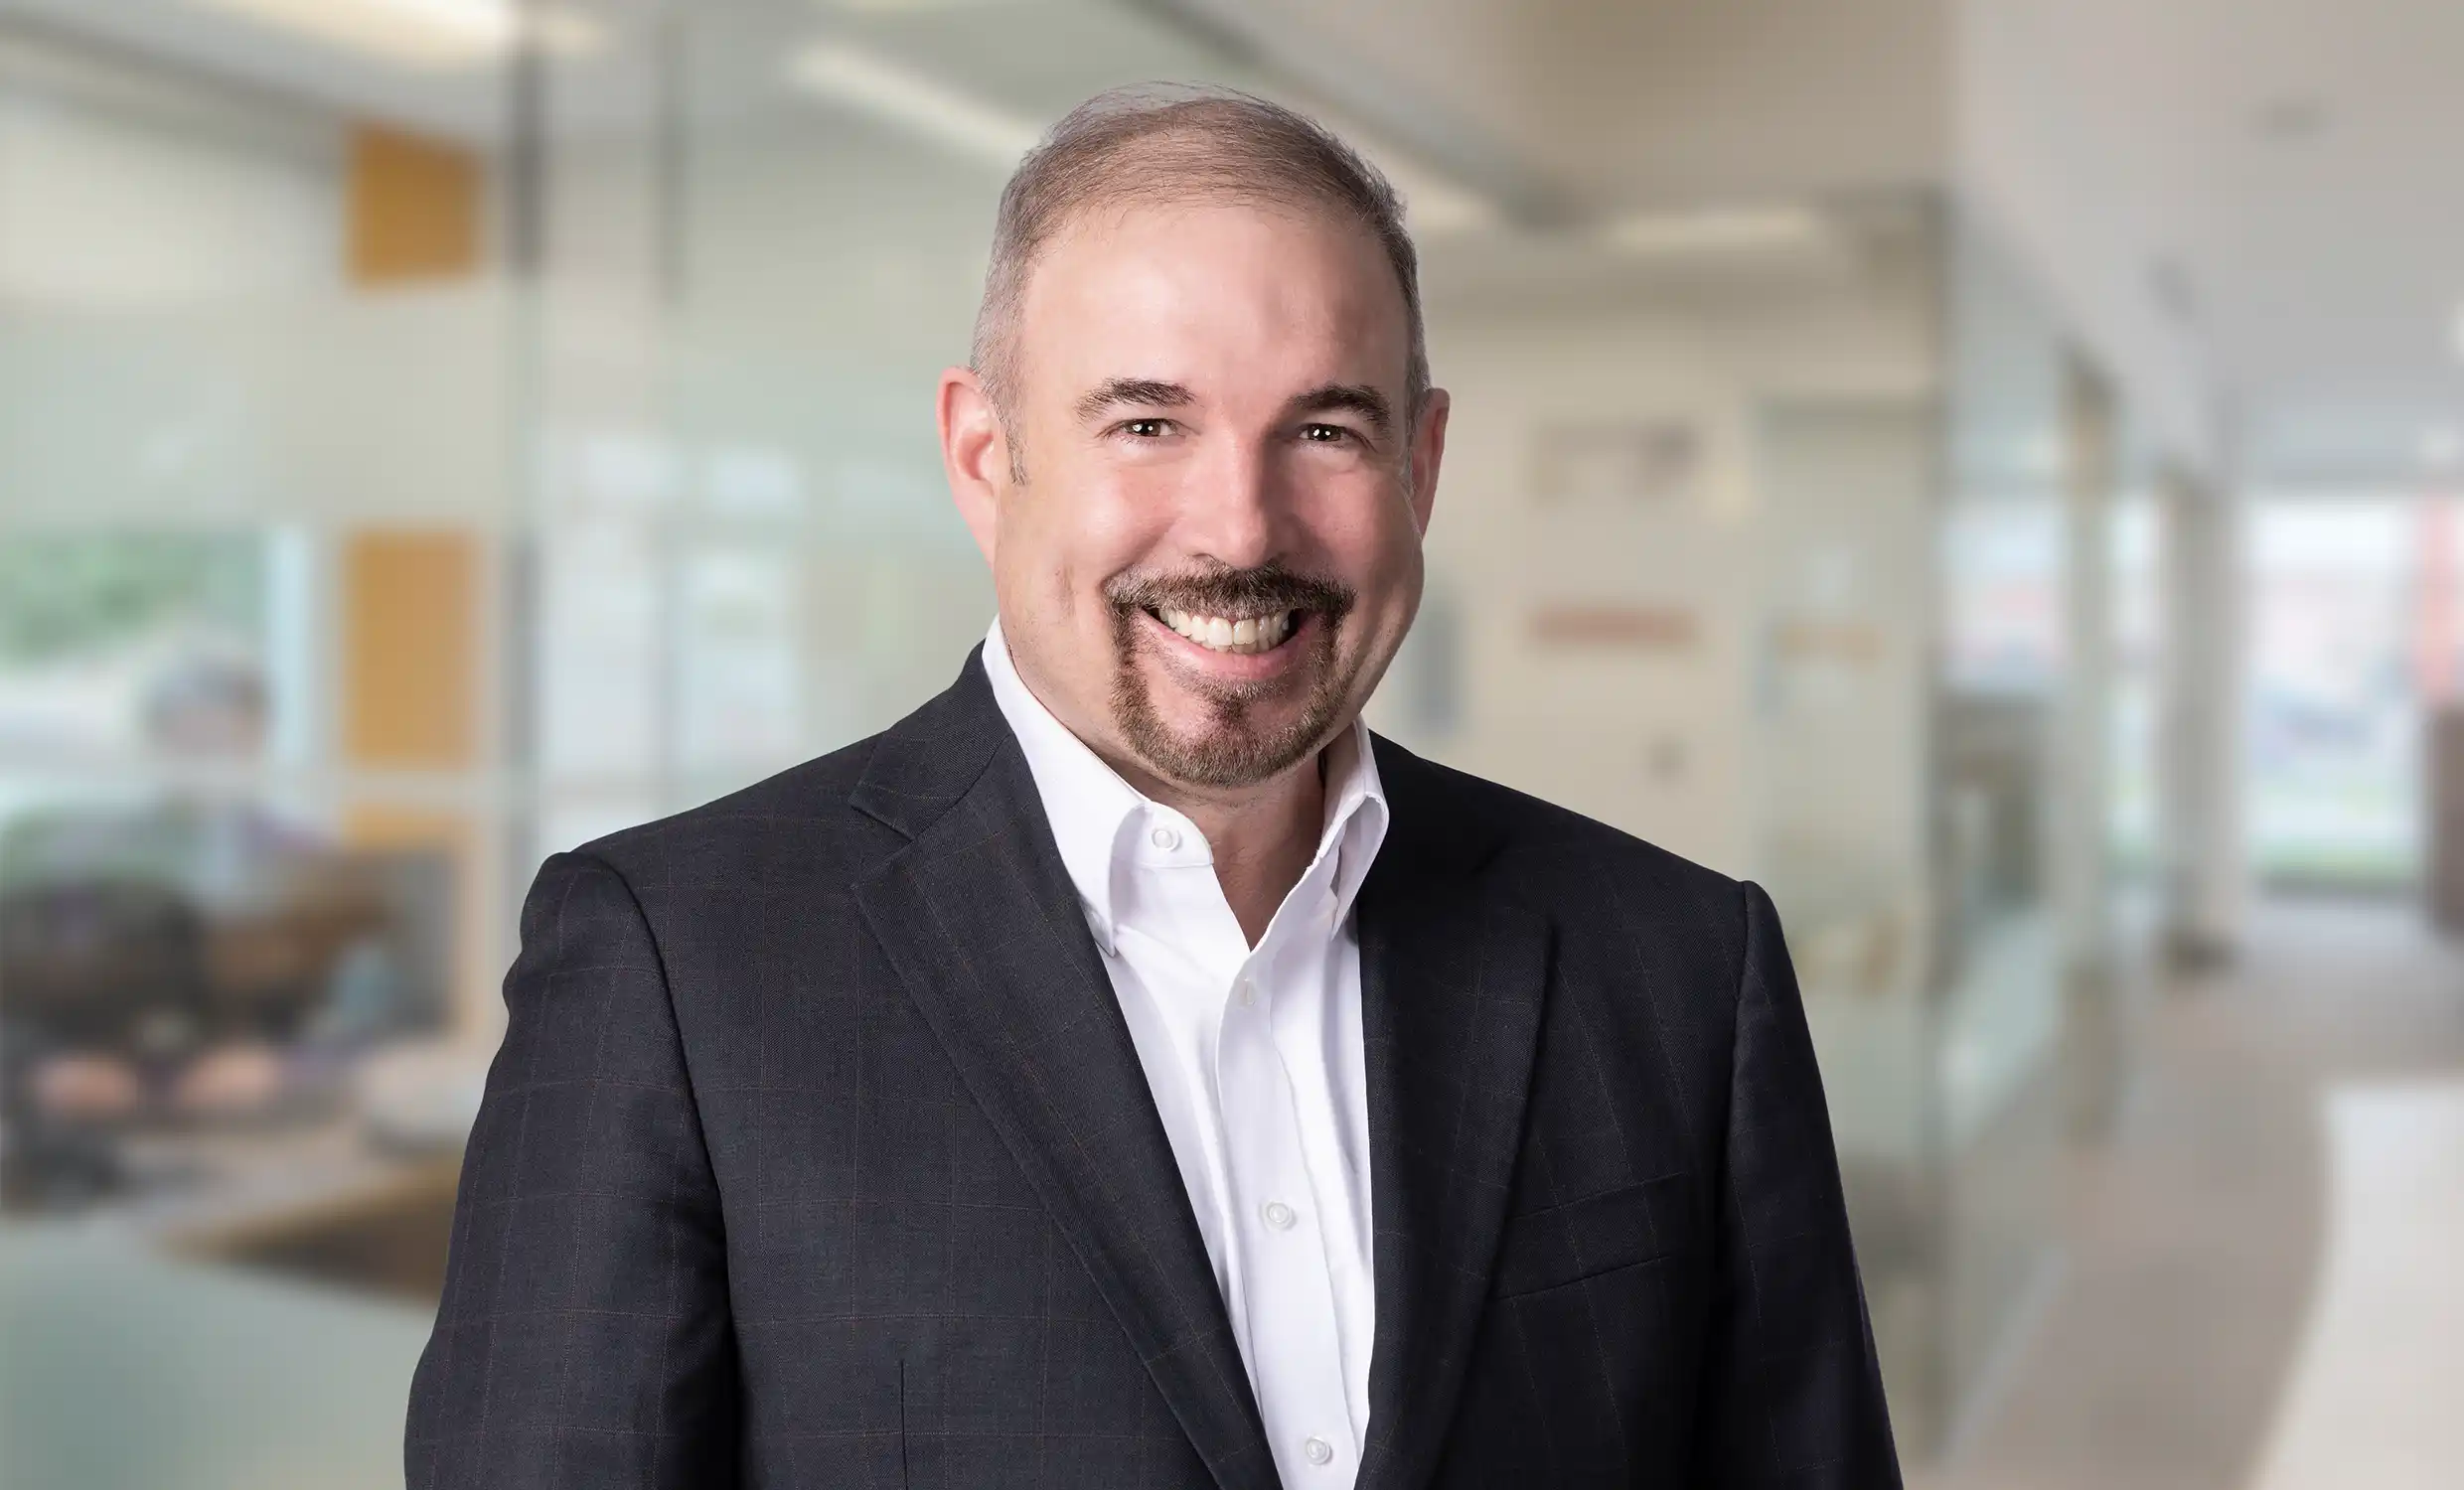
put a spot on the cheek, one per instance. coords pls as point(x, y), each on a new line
point(1120, 517)
point(1077, 530)
point(1367, 537)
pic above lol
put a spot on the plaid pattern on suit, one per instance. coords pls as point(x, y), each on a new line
point(817, 1155)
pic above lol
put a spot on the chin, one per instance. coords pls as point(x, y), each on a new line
point(1225, 735)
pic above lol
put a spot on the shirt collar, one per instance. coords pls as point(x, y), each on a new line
point(1100, 821)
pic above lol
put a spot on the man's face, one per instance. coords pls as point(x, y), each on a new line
point(1216, 546)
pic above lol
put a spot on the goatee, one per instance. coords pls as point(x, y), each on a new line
point(1233, 749)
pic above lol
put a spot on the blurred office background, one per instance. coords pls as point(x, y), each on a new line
point(1991, 470)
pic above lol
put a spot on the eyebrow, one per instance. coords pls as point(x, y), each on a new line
point(1141, 392)
point(1359, 398)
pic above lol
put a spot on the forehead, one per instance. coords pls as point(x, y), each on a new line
point(1211, 293)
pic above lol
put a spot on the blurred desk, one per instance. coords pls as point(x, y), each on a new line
point(321, 1204)
point(127, 1369)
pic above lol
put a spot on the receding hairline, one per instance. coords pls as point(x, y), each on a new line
point(1109, 209)
point(1189, 148)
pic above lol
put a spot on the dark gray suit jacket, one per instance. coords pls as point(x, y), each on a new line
point(817, 1154)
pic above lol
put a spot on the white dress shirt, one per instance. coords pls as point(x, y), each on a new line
point(1253, 1057)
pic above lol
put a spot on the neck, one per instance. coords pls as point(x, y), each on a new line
point(1263, 837)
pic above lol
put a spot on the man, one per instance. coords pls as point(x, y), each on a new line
point(1126, 1070)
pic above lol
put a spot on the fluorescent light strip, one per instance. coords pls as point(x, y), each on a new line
point(876, 86)
point(1714, 230)
point(1432, 205)
point(1437, 208)
point(883, 91)
point(417, 33)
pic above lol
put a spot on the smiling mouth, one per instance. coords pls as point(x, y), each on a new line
point(1238, 635)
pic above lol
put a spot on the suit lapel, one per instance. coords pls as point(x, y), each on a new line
point(979, 918)
point(1453, 974)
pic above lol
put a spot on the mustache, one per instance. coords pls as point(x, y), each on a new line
point(1226, 591)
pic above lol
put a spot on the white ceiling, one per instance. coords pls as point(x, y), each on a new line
point(2294, 160)
point(183, 37)
point(1645, 103)
point(2252, 208)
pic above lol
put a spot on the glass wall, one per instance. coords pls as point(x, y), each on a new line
point(2006, 565)
point(254, 437)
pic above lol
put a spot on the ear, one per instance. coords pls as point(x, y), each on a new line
point(1428, 452)
point(975, 453)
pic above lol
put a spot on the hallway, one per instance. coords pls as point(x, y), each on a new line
point(2245, 1256)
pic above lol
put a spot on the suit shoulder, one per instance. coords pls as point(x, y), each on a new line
point(1562, 851)
point(1628, 913)
point(808, 798)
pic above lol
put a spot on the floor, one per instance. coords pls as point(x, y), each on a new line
point(2284, 1189)
point(2371, 1396)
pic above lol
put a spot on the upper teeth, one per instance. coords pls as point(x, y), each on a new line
point(1227, 634)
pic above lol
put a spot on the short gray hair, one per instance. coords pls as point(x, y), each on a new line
point(1164, 144)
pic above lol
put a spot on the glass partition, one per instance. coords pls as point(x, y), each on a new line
point(2004, 577)
point(255, 429)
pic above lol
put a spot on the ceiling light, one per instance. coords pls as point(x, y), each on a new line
point(1714, 230)
point(876, 87)
point(2442, 447)
point(1434, 206)
point(421, 32)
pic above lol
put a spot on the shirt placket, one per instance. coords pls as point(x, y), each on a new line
point(1290, 1296)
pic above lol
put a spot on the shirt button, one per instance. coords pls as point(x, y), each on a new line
point(1280, 1216)
point(1165, 838)
point(1247, 991)
point(1318, 1449)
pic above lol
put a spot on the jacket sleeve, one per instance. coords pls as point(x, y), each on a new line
point(1792, 1394)
point(583, 1338)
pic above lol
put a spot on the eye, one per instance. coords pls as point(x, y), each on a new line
point(1324, 434)
point(1146, 430)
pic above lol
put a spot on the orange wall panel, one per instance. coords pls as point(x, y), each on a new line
point(414, 207)
point(411, 649)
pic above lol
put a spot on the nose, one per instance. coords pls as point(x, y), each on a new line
point(1233, 509)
